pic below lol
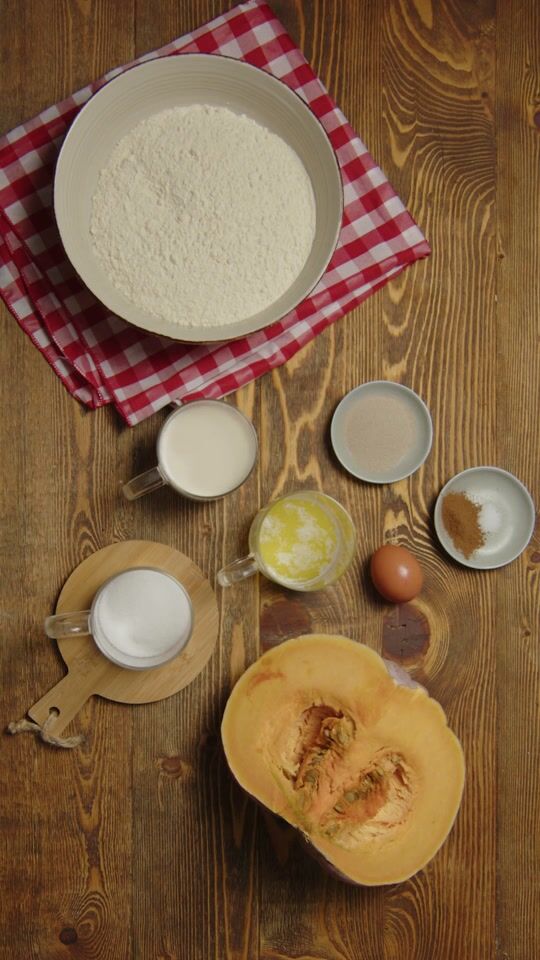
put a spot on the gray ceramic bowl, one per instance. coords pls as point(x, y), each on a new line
point(181, 81)
point(419, 449)
point(511, 507)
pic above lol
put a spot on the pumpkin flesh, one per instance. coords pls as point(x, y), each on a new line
point(368, 770)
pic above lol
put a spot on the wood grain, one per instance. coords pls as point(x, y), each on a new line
point(139, 845)
point(518, 374)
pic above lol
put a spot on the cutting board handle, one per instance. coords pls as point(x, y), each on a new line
point(67, 697)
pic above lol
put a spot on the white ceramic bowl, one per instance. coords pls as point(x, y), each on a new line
point(181, 81)
point(419, 449)
point(510, 502)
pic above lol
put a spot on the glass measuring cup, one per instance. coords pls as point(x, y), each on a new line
point(303, 541)
point(205, 450)
point(140, 618)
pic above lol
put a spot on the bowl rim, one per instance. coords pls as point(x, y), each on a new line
point(217, 332)
point(392, 385)
point(446, 542)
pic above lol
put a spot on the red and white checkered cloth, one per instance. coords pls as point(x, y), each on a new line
point(102, 359)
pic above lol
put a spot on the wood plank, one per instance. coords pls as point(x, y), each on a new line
point(518, 432)
point(66, 839)
point(397, 335)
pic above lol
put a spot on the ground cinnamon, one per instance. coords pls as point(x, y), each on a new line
point(460, 517)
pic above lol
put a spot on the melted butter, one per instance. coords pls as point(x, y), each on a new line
point(298, 540)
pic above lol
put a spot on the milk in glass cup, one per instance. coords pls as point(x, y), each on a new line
point(303, 541)
point(205, 450)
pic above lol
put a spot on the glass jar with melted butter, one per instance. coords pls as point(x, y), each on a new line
point(303, 541)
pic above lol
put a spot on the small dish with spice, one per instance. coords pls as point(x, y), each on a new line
point(484, 517)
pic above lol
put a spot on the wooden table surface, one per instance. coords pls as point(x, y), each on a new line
point(137, 844)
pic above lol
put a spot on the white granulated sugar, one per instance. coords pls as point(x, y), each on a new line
point(142, 613)
point(202, 216)
point(490, 519)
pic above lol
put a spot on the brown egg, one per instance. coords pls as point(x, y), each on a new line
point(396, 574)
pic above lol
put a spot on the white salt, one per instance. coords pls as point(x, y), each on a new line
point(489, 518)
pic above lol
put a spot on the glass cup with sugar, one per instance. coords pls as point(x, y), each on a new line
point(139, 618)
point(304, 541)
point(205, 450)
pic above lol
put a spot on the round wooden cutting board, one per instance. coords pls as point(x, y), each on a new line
point(89, 672)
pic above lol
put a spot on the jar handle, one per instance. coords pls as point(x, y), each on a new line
point(143, 483)
point(62, 625)
point(237, 570)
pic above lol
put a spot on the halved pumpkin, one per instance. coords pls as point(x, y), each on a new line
point(319, 732)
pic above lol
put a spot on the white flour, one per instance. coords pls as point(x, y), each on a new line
point(202, 216)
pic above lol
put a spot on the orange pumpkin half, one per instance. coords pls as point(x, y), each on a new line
point(367, 769)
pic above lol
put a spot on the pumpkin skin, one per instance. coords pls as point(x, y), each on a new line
point(367, 769)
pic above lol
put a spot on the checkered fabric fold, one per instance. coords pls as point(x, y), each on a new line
point(102, 359)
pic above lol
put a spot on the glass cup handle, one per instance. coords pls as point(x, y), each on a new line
point(68, 625)
point(237, 570)
point(143, 483)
